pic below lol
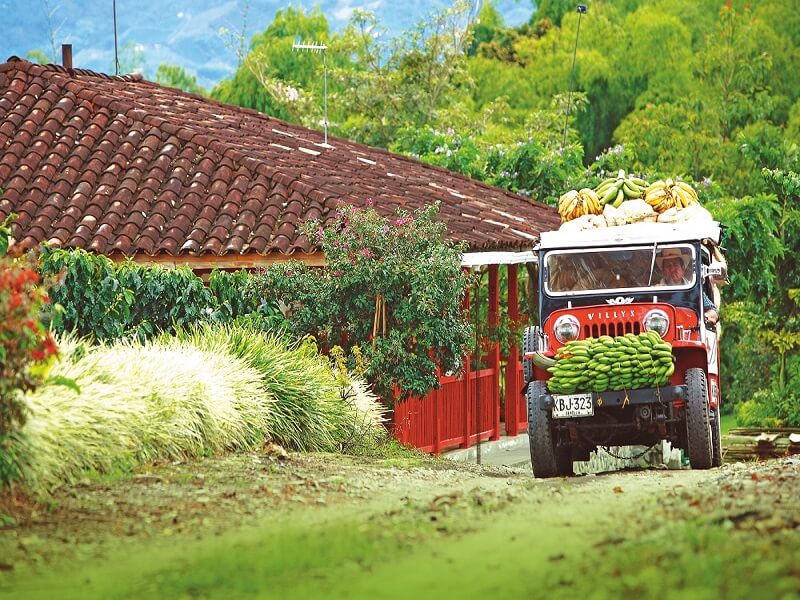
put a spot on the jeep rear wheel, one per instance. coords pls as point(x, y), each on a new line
point(698, 423)
point(543, 455)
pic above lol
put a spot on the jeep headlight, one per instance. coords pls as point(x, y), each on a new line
point(656, 320)
point(566, 328)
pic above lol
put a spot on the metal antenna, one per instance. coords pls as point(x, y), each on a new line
point(582, 10)
point(313, 47)
point(116, 53)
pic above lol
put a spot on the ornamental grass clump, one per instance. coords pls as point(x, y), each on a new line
point(210, 389)
point(138, 403)
point(309, 413)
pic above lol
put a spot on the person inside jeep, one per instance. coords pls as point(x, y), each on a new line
point(673, 264)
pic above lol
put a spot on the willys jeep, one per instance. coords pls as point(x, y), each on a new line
point(607, 286)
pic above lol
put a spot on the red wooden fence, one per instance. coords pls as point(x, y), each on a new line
point(516, 407)
point(448, 417)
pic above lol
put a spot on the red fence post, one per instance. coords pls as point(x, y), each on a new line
point(467, 387)
point(436, 398)
point(512, 367)
point(494, 349)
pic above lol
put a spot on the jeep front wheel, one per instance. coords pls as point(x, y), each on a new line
point(698, 423)
point(543, 456)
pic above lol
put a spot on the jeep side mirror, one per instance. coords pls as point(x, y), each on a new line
point(717, 271)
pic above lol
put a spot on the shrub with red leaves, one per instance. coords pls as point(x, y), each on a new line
point(23, 339)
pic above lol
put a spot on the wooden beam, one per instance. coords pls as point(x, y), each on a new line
point(227, 261)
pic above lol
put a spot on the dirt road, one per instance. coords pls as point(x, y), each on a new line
point(330, 526)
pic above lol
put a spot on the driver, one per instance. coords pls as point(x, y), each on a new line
point(674, 263)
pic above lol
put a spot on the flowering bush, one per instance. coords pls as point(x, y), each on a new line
point(23, 338)
point(392, 286)
point(447, 149)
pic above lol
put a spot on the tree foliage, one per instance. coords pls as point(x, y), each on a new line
point(178, 77)
point(104, 300)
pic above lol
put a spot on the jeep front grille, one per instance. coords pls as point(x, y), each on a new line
point(613, 328)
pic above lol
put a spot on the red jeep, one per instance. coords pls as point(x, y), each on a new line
point(612, 283)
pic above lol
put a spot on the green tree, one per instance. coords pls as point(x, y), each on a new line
point(406, 81)
point(178, 77)
point(272, 77)
point(552, 10)
point(38, 56)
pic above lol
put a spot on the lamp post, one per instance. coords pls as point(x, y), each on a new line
point(582, 10)
point(311, 47)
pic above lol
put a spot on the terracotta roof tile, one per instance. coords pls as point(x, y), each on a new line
point(121, 164)
point(190, 246)
point(212, 246)
point(258, 244)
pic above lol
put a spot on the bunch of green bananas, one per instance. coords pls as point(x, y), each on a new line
point(606, 363)
point(615, 190)
point(663, 195)
point(575, 204)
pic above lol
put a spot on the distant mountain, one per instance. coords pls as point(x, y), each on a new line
point(184, 32)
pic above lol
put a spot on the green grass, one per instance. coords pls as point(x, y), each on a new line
point(694, 560)
point(413, 552)
point(309, 557)
point(270, 563)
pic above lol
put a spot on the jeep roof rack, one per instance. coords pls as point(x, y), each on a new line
point(631, 234)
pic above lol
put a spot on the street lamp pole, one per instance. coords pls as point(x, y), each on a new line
point(582, 10)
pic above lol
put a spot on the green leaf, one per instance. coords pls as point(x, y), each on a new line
point(63, 381)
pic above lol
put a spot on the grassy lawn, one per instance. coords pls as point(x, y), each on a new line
point(433, 534)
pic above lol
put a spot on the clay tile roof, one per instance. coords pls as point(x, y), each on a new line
point(120, 164)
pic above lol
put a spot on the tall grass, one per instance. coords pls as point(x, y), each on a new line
point(309, 412)
point(209, 389)
point(138, 403)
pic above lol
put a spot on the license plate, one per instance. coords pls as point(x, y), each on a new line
point(573, 405)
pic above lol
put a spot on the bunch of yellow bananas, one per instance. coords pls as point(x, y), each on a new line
point(663, 195)
point(615, 190)
point(576, 203)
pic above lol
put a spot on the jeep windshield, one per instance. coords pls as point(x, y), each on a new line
point(599, 270)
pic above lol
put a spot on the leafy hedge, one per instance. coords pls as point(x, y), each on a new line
point(761, 315)
point(107, 300)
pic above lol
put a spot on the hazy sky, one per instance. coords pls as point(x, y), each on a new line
point(183, 32)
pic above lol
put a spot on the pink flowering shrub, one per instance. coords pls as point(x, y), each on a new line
point(392, 286)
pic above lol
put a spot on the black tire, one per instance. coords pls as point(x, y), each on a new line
point(698, 422)
point(716, 439)
point(543, 456)
point(528, 345)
